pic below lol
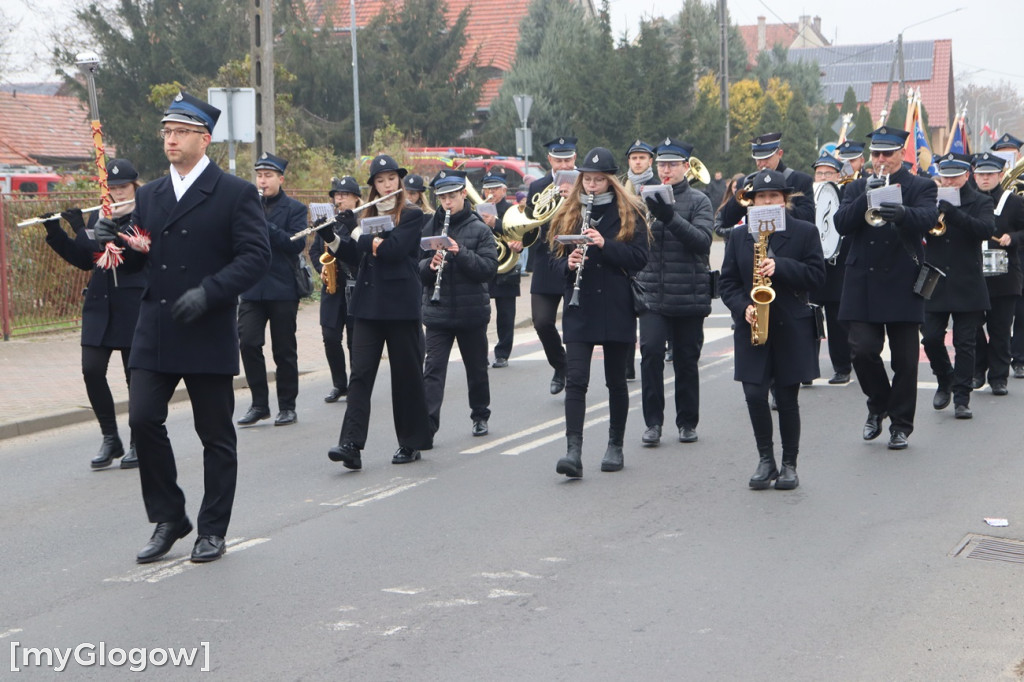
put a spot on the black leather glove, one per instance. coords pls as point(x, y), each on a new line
point(52, 224)
point(346, 220)
point(190, 306)
point(325, 232)
point(659, 209)
point(74, 218)
point(892, 212)
point(874, 182)
point(105, 230)
point(953, 214)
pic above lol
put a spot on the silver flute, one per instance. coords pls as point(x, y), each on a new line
point(313, 228)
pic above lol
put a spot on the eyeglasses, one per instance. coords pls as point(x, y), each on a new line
point(177, 132)
point(826, 174)
point(886, 154)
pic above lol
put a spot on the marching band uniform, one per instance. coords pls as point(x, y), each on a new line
point(464, 308)
point(993, 353)
point(1009, 143)
point(545, 286)
point(209, 244)
point(962, 293)
point(789, 356)
point(274, 300)
point(878, 288)
point(504, 288)
point(640, 173)
point(386, 310)
point(766, 150)
point(852, 153)
point(829, 295)
point(605, 313)
point(334, 318)
point(109, 312)
point(677, 281)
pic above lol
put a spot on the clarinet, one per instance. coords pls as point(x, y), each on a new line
point(436, 296)
point(574, 302)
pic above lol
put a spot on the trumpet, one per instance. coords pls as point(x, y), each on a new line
point(55, 216)
point(873, 216)
point(313, 228)
point(743, 197)
point(940, 226)
point(436, 296)
point(574, 302)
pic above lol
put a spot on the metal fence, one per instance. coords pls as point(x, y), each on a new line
point(40, 291)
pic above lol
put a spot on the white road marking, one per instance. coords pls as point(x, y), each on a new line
point(553, 559)
point(7, 633)
point(404, 590)
point(391, 631)
point(343, 625)
point(372, 494)
point(154, 573)
point(453, 602)
point(507, 574)
point(498, 594)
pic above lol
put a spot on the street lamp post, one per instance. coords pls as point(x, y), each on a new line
point(355, 84)
point(899, 55)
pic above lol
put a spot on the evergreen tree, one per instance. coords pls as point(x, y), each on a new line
point(697, 23)
point(801, 150)
point(862, 125)
point(707, 123)
point(805, 77)
point(849, 102)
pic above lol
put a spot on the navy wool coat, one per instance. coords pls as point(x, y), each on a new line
point(791, 354)
point(544, 280)
point(216, 238)
point(333, 309)
point(958, 254)
point(285, 217)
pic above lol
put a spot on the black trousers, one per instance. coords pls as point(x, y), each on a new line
point(1017, 342)
point(505, 324)
point(898, 399)
point(95, 361)
point(992, 352)
point(838, 337)
point(473, 349)
point(544, 309)
point(334, 350)
point(786, 398)
point(577, 381)
point(686, 334)
point(955, 377)
point(404, 340)
point(252, 323)
point(213, 401)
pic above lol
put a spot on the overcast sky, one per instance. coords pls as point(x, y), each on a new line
point(985, 49)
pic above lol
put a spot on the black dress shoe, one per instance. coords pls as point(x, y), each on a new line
point(335, 394)
point(652, 435)
point(558, 382)
point(286, 417)
point(941, 399)
point(131, 460)
point(404, 455)
point(978, 381)
point(687, 435)
point(207, 548)
point(254, 415)
point(963, 412)
point(479, 427)
point(110, 450)
point(999, 389)
point(164, 537)
point(348, 454)
point(806, 383)
point(840, 378)
point(897, 441)
point(1018, 371)
point(499, 363)
point(873, 426)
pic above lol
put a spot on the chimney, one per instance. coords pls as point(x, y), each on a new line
point(761, 38)
point(817, 25)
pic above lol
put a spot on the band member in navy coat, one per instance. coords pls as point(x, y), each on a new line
point(334, 318)
point(766, 150)
point(109, 311)
point(386, 309)
point(604, 315)
point(209, 244)
point(545, 285)
point(789, 357)
point(962, 293)
point(878, 289)
point(504, 288)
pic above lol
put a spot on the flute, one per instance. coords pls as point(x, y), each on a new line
point(55, 216)
point(574, 302)
point(436, 296)
point(313, 228)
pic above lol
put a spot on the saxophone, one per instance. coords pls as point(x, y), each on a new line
point(762, 293)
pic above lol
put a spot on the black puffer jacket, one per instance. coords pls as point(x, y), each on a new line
point(464, 298)
point(677, 276)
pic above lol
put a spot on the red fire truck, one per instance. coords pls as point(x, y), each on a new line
point(27, 180)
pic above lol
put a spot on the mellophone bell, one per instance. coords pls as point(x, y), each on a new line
point(879, 298)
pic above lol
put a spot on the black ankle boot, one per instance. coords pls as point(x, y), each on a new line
point(613, 455)
point(109, 451)
point(572, 464)
point(788, 480)
point(766, 470)
point(130, 460)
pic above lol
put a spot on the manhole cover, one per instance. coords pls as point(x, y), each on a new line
point(990, 548)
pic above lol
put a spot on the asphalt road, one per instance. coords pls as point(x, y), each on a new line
point(480, 563)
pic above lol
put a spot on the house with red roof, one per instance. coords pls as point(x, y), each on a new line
point(493, 29)
point(763, 36)
point(46, 130)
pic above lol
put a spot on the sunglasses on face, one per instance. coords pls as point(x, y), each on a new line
point(885, 154)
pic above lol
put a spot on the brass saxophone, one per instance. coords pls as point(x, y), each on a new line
point(762, 293)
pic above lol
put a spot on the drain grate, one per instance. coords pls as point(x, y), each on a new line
point(990, 548)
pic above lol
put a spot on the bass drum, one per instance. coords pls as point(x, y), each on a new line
point(826, 203)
